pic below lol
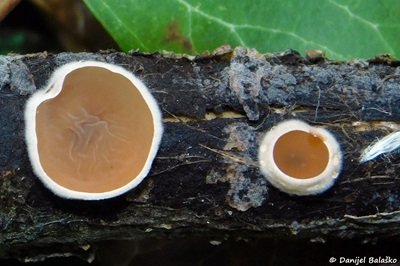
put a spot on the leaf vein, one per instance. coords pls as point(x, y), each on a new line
point(231, 27)
point(123, 25)
point(190, 30)
point(373, 26)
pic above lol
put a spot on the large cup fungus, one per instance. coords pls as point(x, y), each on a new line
point(300, 159)
point(93, 131)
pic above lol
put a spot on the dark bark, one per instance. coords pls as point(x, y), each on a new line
point(205, 178)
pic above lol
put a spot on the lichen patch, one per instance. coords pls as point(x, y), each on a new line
point(239, 154)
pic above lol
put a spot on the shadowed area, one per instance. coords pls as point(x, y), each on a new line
point(300, 154)
point(96, 134)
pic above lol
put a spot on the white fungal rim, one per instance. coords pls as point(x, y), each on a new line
point(292, 185)
point(51, 90)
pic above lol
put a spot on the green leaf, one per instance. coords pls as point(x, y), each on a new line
point(342, 28)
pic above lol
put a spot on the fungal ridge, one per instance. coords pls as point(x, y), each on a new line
point(93, 132)
point(89, 132)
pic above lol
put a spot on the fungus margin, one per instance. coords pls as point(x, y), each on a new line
point(292, 185)
point(51, 90)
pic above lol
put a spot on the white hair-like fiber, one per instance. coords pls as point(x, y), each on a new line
point(387, 144)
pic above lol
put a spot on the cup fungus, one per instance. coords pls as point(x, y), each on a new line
point(300, 159)
point(92, 133)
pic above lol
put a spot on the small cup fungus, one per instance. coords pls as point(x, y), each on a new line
point(92, 133)
point(300, 159)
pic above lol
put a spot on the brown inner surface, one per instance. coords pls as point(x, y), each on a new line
point(300, 154)
point(96, 134)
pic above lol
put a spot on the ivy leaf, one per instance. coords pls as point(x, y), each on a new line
point(342, 28)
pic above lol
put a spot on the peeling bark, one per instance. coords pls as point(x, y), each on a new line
point(205, 178)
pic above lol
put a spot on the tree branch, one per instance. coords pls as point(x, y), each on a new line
point(205, 179)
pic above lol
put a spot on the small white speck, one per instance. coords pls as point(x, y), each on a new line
point(215, 242)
